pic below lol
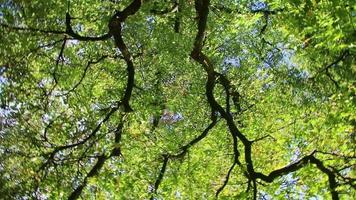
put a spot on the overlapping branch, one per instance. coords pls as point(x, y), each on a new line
point(202, 9)
point(115, 26)
point(217, 110)
point(326, 68)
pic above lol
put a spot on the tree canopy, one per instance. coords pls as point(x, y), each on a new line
point(177, 99)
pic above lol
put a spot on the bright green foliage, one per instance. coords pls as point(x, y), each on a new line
point(64, 71)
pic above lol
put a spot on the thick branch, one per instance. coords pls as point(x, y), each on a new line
point(70, 32)
point(115, 27)
point(202, 9)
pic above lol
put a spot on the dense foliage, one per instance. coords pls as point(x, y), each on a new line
point(177, 99)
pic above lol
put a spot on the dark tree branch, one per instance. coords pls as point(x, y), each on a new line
point(326, 69)
point(100, 163)
point(93, 172)
point(84, 74)
point(46, 45)
point(184, 149)
point(231, 10)
point(57, 149)
point(70, 32)
point(264, 137)
point(60, 58)
point(93, 133)
point(336, 155)
point(339, 59)
point(177, 18)
point(115, 27)
point(327, 73)
point(202, 12)
point(264, 27)
point(225, 181)
point(161, 174)
point(298, 165)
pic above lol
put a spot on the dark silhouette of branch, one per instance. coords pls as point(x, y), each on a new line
point(177, 18)
point(46, 45)
point(225, 181)
point(336, 155)
point(334, 63)
point(184, 149)
point(84, 74)
point(115, 26)
point(93, 133)
point(99, 164)
point(264, 27)
point(115, 30)
point(70, 32)
point(298, 165)
point(59, 59)
point(54, 73)
point(264, 137)
point(161, 174)
point(196, 140)
point(57, 149)
point(93, 172)
point(228, 10)
point(327, 73)
point(326, 69)
point(202, 9)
